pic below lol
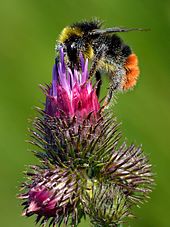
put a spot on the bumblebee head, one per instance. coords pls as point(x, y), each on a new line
point(79, 30)
point(77, 38)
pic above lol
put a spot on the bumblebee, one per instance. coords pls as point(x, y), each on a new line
point(107, 52)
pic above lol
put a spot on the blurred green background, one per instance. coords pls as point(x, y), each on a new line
point(28, 30)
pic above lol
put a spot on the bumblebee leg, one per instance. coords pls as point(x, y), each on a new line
point(108, 98)
point(94, 66)
point(96, 60)
point(99, 82)
point(110, 95)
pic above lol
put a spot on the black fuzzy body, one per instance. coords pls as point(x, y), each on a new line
point(113, 46)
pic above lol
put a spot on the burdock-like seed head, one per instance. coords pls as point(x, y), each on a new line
point(128, 167)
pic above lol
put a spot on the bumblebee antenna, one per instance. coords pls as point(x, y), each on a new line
point(116, 29)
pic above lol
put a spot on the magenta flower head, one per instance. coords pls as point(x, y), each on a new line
point(53, 194)
point(40, 201)
point(84, 168)
point(71, 93)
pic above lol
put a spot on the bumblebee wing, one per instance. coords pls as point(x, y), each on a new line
point(115, 29)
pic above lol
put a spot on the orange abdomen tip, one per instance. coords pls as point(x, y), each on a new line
point(132, 72)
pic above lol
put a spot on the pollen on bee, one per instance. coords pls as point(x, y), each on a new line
point(132, 72)
point(68, 32)
point(89, 53)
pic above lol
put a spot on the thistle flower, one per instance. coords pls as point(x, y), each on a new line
point(52, 194)
point(71, 93)
point(83, 170)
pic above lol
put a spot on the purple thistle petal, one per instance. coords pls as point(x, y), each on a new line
point(75, 77)
point(82, 61)
point(62, 60)
point(54, 82)
point(89, 87)
point(70, 78)
point(85, 74)
point(63, 79)
point(86, 68)
point(62, 76)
